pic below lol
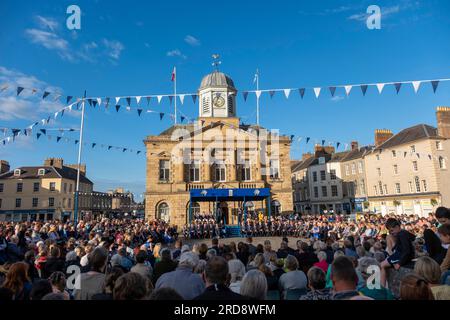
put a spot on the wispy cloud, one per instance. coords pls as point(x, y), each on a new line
point(191, 40)
point(337, 98)
point(175, 53)
point(114, 48)
point(385, 13)
point(331, 11)
point(51, 41)
point(47, 22)
point(48, 36)
point(28, 106)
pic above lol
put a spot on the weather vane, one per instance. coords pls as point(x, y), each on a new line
point(216, 61)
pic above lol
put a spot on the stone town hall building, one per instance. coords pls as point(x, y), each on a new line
point(218, 160)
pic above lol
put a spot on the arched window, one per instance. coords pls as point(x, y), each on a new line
point(163, 212)
point(276, 207)
point(220, 171)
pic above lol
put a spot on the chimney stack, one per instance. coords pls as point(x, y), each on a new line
point(4, 166)
point(75, 166)
point(54, 162)
point(381, 135)
point(355, 145)
point(307, 156)
point(443, 121)
point(320, 151)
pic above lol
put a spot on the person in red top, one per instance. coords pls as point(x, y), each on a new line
point(322, 264)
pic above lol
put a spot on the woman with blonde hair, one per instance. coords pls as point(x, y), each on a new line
point(236, 270)
point(254, 285)
point(429, 269)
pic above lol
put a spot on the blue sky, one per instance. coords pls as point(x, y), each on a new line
point(130, 47)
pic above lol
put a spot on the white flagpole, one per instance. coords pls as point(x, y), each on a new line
point(257, 98)
point(80, 147)
point(175, 92)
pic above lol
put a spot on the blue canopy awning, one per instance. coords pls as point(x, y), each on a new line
point(229, 194)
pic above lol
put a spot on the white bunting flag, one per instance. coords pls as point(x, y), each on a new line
point(348, 89)
point(128, 108)
point(117, 100)
point(70, 107)
point(99, 101)
point(56, 114)
point(43, 121)
point(317, 92)
point(287, 92)
point(380, 87)
point(159, 99)
point(258, 94)
point(182, 98)
point(416, 85)
point(138, 99)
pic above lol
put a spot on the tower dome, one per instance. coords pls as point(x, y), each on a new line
point(217, 79)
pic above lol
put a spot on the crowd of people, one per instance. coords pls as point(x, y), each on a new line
point(333, 258)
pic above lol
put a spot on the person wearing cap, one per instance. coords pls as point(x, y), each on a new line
point(183, 279)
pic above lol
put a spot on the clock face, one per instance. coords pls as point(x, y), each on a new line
point(218, 101)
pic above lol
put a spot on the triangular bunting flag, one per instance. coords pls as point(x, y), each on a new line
point(245, 95)
point(348, 89)
point(287, 92)
point(194, 98)
point(62, 112)
point(68, 99)
point(302, 92)
point(272, 93)
point(19, 90)
point(317, 92)
point(93, 145)
point(380, 87)
point(181, 96)
point(337, 145)
point(434, 84)
point(15, 132)
point(138, 99)
point(128, 108)
point(148, 100)
point(332, 91)
point(258, 93)
point(76, 141)
point(109, 147)
point(45, 94)
point(57, 139)
point(106, 102)
point(364, 89)
point(323, 142)
point(416, 85)
point(161, 115)
point(182, 118)
point(307, 139)
point(124, 149)
point(292, 137)
point(170, 99)
point(99, 101)
point(137, 152)
point(159, 99)
point(139, 111)
point(128, 101)
point(117, 100)
point(398, 85)
point(44, 131)
point(117, 108)
point(94, 103)
point(38, 135)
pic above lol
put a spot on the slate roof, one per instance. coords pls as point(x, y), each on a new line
point(51, 172)
point(411, 134)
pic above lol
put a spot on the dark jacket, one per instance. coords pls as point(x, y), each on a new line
point(162, 267)
point(53, 264)
point(403, 249)
point(219, 292)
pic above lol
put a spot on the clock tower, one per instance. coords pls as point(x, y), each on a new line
point(217, 96)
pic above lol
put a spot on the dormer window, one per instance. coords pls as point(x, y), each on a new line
point(17, 172)
point(41, 172)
